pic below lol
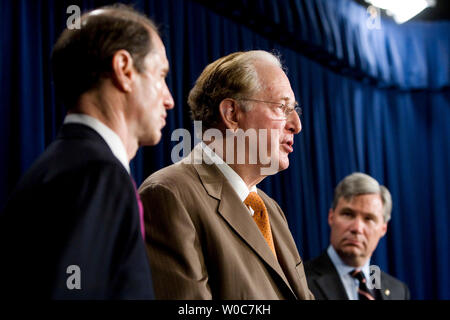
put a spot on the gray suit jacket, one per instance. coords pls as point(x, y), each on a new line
point(325, 283)
point(203, 243)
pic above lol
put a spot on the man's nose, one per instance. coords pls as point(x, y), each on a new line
point(357, 226)
point(168, 99)
point(293, 123)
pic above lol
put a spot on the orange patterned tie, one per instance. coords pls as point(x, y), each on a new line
point(261, 217)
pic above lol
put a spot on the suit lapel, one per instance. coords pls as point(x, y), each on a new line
point(385, 293)
point(329, 281)
point(284, 245)
point(235, 212)
point(332, 287)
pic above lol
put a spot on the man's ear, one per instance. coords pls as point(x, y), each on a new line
point(383, 229)
point(330, 216)
point(228, 112)
point(123, 70)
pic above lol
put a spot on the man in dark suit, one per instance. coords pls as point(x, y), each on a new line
point(358, 219)
point(211, 234)
point(73, 228)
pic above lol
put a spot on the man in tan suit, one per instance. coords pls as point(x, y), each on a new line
point(211, 234)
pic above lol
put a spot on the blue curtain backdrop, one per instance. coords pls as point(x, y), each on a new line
point(375, 100)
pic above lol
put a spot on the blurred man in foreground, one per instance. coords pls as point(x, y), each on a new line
point(72, 228)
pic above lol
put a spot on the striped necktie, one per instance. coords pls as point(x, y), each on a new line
point(261, 217)
point(363, 290)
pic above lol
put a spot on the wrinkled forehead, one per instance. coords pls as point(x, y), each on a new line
point(274, 82)
point(370, 202)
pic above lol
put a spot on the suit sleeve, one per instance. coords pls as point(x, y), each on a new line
point(177, 262)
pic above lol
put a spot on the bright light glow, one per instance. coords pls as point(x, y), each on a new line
point(96, 12)
point(402, 10)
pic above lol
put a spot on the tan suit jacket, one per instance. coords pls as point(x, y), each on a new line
point(203, 243)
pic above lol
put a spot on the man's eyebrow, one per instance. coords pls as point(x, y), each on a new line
point(288, 100)
point(365, 214)
point(371, 215)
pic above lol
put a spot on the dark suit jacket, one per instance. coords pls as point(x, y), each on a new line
point(325, 283)
point(203, 243)
point(76, 205)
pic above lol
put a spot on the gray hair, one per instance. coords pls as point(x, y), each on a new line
point(233, 76)
point(359, 183)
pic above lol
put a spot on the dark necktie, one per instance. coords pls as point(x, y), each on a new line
point(141, 209)
point(363, 290)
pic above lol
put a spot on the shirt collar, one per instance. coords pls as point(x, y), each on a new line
point(232, 177)
point(344, 269)
point(111, 138)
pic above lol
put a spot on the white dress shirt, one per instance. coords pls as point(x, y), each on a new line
point(111, 138)
point(232, 177)
point(351, 284)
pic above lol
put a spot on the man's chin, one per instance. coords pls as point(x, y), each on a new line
point(283, 164)
point(351, 251)
point(151, 140)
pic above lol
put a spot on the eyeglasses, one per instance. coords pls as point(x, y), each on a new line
point(285, 109)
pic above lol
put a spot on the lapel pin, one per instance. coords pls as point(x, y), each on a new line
point(387, 292)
